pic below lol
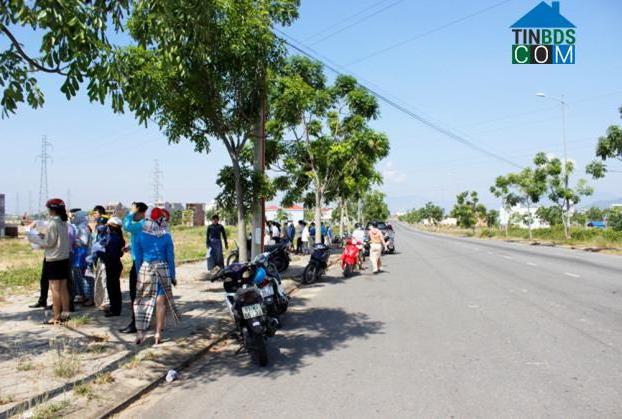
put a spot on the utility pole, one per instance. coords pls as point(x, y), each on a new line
point(260, 167)
point(157, 183)
point(566, 175)
point(43, 179)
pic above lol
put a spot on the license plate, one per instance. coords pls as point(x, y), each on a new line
point(267, 291)
point(250, 312)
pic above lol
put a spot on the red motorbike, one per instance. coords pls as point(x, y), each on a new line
point(350, 257)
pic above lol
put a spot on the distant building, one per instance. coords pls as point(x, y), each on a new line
point(616, 206)
point(450, 222)
point(115, 207)
point(517, 214)
point(197, 218)
point(294, 213)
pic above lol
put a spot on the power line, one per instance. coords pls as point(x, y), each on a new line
point(352, 16)
point(356, 22)
point(428, 32)
point(448, 133)
point(43, 178)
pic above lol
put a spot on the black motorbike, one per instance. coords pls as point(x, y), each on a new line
point(318, 263)
point(279, 255)
point(247, 307)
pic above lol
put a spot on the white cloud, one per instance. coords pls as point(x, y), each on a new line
point(391, 174)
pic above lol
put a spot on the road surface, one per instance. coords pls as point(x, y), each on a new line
point(454, 327)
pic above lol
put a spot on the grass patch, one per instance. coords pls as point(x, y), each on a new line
point(105, 378)
point(67, 365)
point(97, 348)
point(6, 399)
point(81, 320)
point(137, 359)
point(25, 364)
point(50, 410)
point(84, 390)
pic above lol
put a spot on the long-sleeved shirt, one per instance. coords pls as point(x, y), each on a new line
point(151, 248)
point(56, 243)
point(215, 232)
point(134, 228)
point(114, 246)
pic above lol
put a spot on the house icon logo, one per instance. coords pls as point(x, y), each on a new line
point(544, 36)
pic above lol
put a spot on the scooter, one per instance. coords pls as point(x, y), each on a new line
point(318, 263)
point(272, 291)
point(350, 259)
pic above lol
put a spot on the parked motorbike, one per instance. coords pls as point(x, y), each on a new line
point(350, 260)
point(272, 291)
point(318, 263)
point(279, 255)
point(247, 307)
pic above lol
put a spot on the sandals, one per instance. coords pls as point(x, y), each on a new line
point(52, 322)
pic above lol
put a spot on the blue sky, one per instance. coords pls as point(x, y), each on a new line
point(460, 77)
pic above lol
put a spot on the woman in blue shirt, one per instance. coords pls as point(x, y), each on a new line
point(155, 261)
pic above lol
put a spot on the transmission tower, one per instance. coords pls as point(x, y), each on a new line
point(43, 180)
point(157, 183)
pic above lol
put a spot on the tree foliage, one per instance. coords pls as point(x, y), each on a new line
point(199, 71)
point(73, 45)
point(557, 174)
point(375, 207)
point(329, 146)
point(609, 147)
point(468, 210)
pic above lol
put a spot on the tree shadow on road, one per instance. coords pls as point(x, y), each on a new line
point(308, 333)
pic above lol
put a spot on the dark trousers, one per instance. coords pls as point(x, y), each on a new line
point(299, 245)
point(44, 286)
point(113, 285)
point(133, 282)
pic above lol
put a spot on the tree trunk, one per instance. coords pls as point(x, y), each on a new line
point(318, 215)
point(239, 200)
point(529, 219)
point(566, 219)
point(341, 217)
point(507, 222)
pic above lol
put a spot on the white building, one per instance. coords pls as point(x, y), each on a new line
point(294, 213)
point(516, 216)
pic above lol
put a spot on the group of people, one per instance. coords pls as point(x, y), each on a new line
point(301, 236)
point(82, 250)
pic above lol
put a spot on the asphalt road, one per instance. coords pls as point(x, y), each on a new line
point(454, 327)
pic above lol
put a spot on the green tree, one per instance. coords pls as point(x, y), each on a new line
point(609, 147)
point(467, 209)
point(560, 192)
point(492, 218)
point(73, 45)
point(552, 215)
point(375, 207)
point(433, 213)
point(614, 220)
point(281, 215)
point(177, 217)
point(325, 129)
point(200, 73)
point(525, 187)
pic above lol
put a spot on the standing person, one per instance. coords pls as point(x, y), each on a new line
point(114, 267)
point(56, 269)
point(155, 261)
point(304, 237)
point(216, 234)
point(81, 247)
point(377, 243)
point(312, 235)
point(275, 231)
point(291, 234)
point(133, 223)
point(298, 237)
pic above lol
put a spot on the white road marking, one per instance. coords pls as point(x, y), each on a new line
point(490, 253)
point(508, 257)
point(532, 264)
point(572, 275)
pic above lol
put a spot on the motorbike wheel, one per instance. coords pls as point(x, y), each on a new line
point(232, 258)
point(310, 274)
point(273, 271)
point(347, 271)
point(260, 349)
point(281, 263)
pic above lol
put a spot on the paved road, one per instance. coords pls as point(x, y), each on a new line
point(454, 327)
